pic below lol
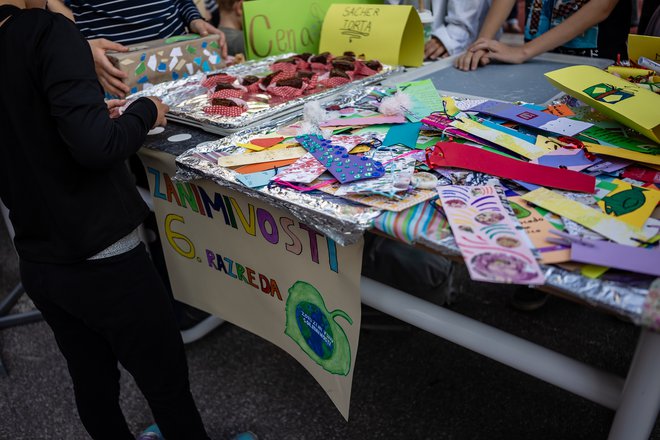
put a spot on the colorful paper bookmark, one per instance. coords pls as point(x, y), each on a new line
point(629, 203)
point(452, 154)
point(489, 241)
point(610, 227)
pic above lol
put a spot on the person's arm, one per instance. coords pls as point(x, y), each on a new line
point(66, 71)
point(590, 14)
point(497, 15)
point(59, 7)
point(458, 30)
point(195, 23)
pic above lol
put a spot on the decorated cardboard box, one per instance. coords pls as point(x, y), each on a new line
point(157, 61)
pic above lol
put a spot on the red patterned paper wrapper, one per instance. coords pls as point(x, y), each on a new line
point(313, 82)
point(320, 67)
point(287, 68)
point(286, 91)
point(362, 69)
point(276, 78)
point(227, 111)
point(211, 81)
point(254, 87)
point(334, 82)
point(302, 64)
point(228, 93)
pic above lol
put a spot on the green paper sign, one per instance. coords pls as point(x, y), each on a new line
point(274, 27)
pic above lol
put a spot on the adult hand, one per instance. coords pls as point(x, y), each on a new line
point(433, 49)
point(470, 60)
point(204, 28)
point(114, 105)
point(162, 109)
point(500, 51)
point(109, 76)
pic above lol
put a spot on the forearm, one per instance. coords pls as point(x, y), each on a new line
point(590, 14)
point(497, 15)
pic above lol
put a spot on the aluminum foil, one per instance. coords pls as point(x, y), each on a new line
point(340, 219)
point(187, 98)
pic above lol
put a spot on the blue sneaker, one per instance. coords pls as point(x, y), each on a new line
point(151, 433)
point(245, 436)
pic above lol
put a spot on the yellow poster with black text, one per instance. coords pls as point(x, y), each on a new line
point(262, 269)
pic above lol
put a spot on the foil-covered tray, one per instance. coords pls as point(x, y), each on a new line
point(340, 219)
point(187, 98)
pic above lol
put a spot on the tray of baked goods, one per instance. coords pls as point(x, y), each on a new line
point(248, 94)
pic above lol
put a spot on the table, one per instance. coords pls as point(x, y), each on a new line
point(635, 398)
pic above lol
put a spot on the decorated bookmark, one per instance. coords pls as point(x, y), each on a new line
point(629, 203)
point(492, 247)
point(452, 154)
point(610, 227)
point(532, 118)
point(304, 170)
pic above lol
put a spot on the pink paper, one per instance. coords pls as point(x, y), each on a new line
point(617, 256)
point(373, 120)
point(493, 248)
point(304, 170)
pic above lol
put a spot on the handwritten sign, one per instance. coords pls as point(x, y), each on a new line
point(272, 29)
point(388, 33)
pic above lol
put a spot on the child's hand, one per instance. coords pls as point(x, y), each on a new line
point(470, 60)
point(433, 49)
point(114, 106)
point(500, 51)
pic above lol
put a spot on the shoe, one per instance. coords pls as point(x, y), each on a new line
point(151, 433)
point(528, 300)
point(245, 436)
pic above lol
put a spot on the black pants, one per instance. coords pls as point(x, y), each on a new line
point(109, 310)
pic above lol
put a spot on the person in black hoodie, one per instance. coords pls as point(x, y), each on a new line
point(75, 209)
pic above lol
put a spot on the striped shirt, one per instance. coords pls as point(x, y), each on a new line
point(133, 21)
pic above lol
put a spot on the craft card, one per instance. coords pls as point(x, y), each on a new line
point(373, 120)
point(392, 34)
point(538, 229)
point(403, 134)
point(349, 141)
point(261, 157)
point(492, 248)
point(652, 159)
point(608, 254)
point(395, 204)
point(574, 160)
point(643, 46)
point(256, 180)
point(398, 173)
point(629, 203)
point(424, 97)
point(626, 102)
point(618, 136)
point(507, 141)
point(605, 225)
point(525, 115)
point(304, 170)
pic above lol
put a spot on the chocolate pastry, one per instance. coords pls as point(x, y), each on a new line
point(249, 80)
point(291, 60)
point(349, 53)
point(343, 65)
point(337, 73)
point(303, 56)
point(223, 102)
point(374, 65)
point(267, 79)
point(296, 83)
point(224, 86)
point(304, 74)
point(211, 75)
point(320, 58)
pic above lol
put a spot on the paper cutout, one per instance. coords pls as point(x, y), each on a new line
point(626, 102)
point(605, 225)
point(630, 72)
point(452, 154)
point(256, 180)
point(574, 160)
point(561, 110)
point(593, 271)
point(266, 142)
point(398, 204)
point(617, 137)
point(375, 120)
point(509, 142)
point(538, 229)
point(398, 173)
point(607, 254)
point(489, 242)
point(643, 46)
point(403, 134)
point(629, 203)
point(533, 118)
point(305, 170)
point(391, 34)
point(625, 154)
point(256, 167)
point(261, 156)
point(511, 131)
point(271, 29)
point(424, 97)
point(249, 146)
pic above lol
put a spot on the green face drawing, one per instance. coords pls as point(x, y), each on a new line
point(519, 210)
point(625, 202)
point(314, 329)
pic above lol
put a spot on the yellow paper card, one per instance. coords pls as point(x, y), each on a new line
point(517, 145)
point(261, 157)
point(593, 271)
point(629, 203)
point(629, 72)
point(651, 159)
point(643, 46)
point(391, 34)
point(450, 105)
point(610, 227)
point(547, 143)
point(250, 146)
point(628, 103)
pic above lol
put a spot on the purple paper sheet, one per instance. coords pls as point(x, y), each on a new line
point(618, 256)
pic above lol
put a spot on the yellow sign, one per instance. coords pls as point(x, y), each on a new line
point(643, 46)
point(391, 34)
point(626, 102)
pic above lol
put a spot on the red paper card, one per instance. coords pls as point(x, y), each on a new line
point(266, 142)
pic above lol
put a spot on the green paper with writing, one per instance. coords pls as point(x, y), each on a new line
point(274, 27)
point(391, 34)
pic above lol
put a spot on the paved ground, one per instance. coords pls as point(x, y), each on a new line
point(408, 384)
